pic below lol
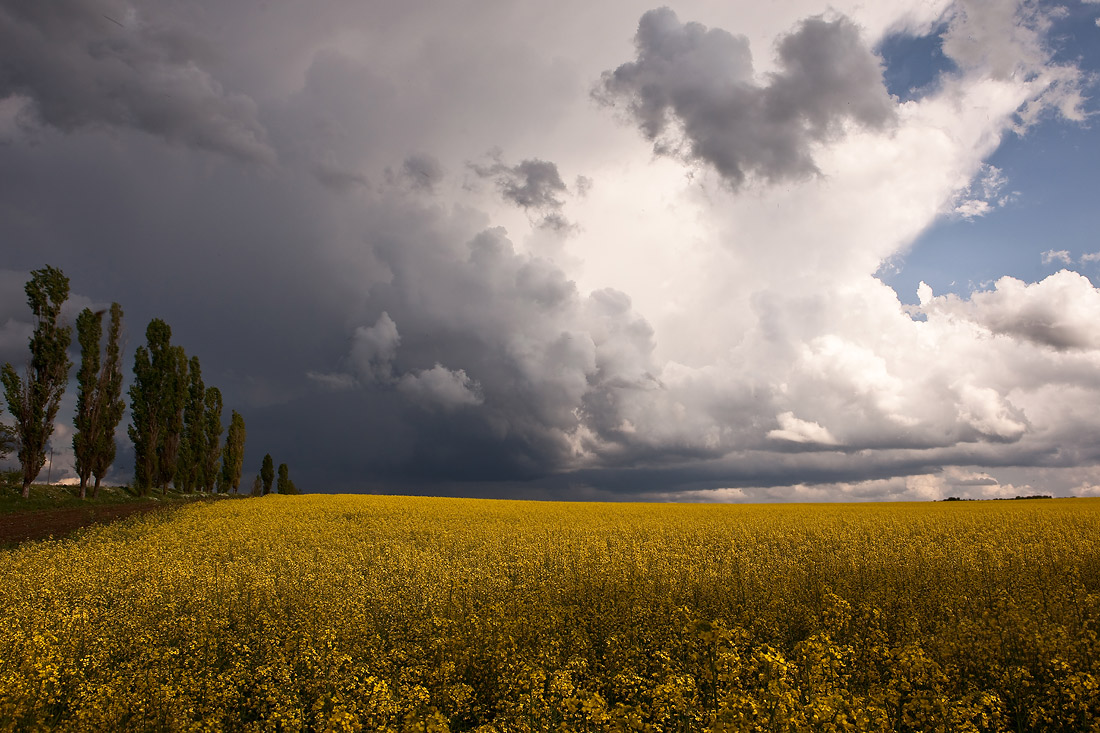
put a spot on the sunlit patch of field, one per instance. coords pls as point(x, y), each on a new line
point(410, 614)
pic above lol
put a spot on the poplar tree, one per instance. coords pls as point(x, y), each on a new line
point(173, 398)
point(192, 446)
point(257, 487)
point(285, 485)
point(33, 399)
point(233, 454)
point(111, 402)
point(89, 332)
point(212, 435)
point(98, 403)
point(148, 410)
point(267, 473)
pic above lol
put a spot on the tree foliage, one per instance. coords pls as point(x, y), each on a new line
point(157, 399)
point(267, 473)
point(212, 435)
point(34, 398)
point(110, 390)
point(99, 402)
point(174, 400)
point(7, 440)
point(192, 446)
point(89, 333)
point(233, 454)
point(147, 411)
point(284, 484)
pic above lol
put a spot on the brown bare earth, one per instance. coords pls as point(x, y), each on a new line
point(57, 523)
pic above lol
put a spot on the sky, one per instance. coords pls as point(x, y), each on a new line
point(784, 251)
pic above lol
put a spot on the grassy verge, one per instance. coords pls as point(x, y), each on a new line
point(45, 497)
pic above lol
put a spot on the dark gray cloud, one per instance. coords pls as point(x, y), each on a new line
point(87, 63)
point(337, 178)
point(422, 171)
point(692, 92)
point(327, 122)
point(465, 322)
point(534, 185)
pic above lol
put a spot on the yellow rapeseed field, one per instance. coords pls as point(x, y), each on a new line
point(348, 613)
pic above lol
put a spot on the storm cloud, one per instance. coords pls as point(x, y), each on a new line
point(102, 62)
point(533, 185)
point(692, 91)
point(390, 316)
point(422, 171)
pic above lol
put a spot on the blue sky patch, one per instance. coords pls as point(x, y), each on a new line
point(1052, 172)
point(913, 64)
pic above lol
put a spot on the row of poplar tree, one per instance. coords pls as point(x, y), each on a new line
point(176, 420)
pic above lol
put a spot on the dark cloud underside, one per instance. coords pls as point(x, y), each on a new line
point(86, 63)
point(692, 92)
point(533, 185)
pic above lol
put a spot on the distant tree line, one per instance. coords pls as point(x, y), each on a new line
point(176, 420)
point(1002, 498)
point(261, 485)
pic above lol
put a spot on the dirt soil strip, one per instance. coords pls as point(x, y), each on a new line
point(57, 523)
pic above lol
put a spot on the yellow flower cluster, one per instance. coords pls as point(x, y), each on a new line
point(347, 613)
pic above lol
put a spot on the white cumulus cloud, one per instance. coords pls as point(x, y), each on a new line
point(795, 430)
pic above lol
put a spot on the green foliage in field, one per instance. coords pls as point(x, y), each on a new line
point(401, 614)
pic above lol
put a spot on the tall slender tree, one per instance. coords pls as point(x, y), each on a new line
point(267, 473)
point(284, 478)
point(192, 445)
point(285, 485)
point(233, 454)
point(173, 399)
point(89, 332)
point(148, 411)
point(110, 400)
point(34, 398)
point(98, 403)
point(212, 436)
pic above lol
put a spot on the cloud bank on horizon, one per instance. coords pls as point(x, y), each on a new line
point(511, 249)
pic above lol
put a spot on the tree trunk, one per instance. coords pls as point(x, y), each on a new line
point(95, 488)
point(83, 487)
point(26, 489)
